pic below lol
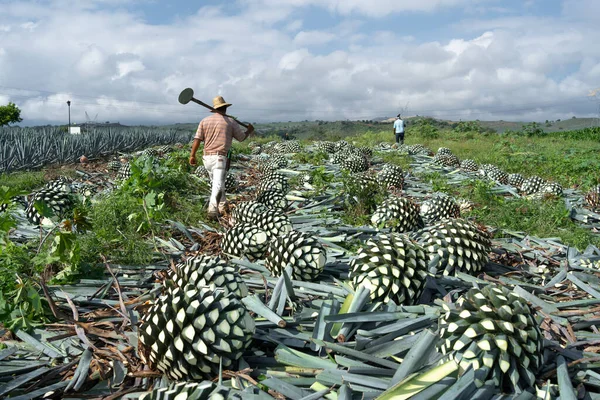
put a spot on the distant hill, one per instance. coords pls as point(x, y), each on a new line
point(339, 129)
point(550, 126)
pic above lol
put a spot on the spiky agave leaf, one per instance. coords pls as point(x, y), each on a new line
point(393, 267)
point(439, 207)
point(399, 214)
point(494, 330)
point(245, 240)
point(458, 245)
point(189, 330)
point(203, 271)
point(302, 251)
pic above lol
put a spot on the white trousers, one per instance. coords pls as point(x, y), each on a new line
point(216, 166)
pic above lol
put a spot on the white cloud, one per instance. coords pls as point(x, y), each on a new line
point(290, 61)
point(111, 62)
point(372, 8)
point(127, 67)
point(294, 25)
point(313, 38)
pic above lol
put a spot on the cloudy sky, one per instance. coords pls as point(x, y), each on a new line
point(286, 60)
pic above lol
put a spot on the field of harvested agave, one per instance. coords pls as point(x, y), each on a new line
point(339, 271)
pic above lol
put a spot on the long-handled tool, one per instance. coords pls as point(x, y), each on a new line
point(187, 95)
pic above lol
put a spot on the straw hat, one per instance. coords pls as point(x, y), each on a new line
point(219, 102)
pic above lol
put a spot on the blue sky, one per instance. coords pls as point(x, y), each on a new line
point(300, 59)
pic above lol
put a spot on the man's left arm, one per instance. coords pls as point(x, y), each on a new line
point(241, 136)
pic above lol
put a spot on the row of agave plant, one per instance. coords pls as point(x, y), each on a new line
point(30, 148)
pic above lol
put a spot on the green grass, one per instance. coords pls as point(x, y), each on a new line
point(572, 163)
point(316, 158)
point(546, 217)
point(23, 181)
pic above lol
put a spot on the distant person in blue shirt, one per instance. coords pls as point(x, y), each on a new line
point(399, 130)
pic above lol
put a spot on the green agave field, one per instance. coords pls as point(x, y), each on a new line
point(342, 269)
point(27, 148)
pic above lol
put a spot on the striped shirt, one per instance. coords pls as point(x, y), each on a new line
point(217, 131)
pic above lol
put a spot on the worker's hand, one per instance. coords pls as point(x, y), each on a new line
point(193, 161)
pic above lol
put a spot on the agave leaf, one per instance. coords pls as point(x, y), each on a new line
point(318, 395)
point(435, 390)
point(565, 387)
point(360, 317)
point(357, 354)
point(81, 372)
point(360, 299)
point(40, 392)
point(45, 348)
point(289, 287)
point(320, 328)
point(400, 328)
point(14, 369)
point(417, 356)
point(408, 388)
point(335, 329)
point(21, 380)
point(7, 352)
point(288, 356)
point(291, 391)
point(583, 286)
point(253, 303)
point(536, 301)
point(462, 388)
point(276, 294)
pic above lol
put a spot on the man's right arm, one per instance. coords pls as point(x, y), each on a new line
point(197, 139)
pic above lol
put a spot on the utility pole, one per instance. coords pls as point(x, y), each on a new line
point(69, 105)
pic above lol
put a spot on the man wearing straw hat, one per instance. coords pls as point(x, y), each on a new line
point(217, 132)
